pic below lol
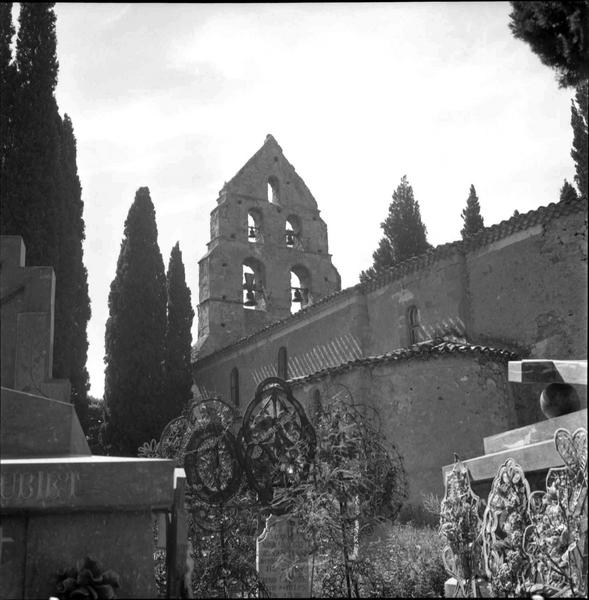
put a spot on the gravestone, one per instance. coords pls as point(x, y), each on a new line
point(282, 559)
point(58, 503)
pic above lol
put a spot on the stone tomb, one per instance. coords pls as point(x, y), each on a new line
point(58, 503)
point(287, 578)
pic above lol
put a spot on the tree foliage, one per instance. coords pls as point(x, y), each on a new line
point(178, 337)
point(557, 34)
point(405, 234)
point(473, 221)
point(579, 123)
point(568, 192)
point(135, 335)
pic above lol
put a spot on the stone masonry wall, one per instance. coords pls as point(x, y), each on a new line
point(429, 408)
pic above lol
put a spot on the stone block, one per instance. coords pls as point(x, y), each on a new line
point(33, 426)
point(12, 251)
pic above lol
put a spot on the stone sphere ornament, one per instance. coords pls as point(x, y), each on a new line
point(559, 399)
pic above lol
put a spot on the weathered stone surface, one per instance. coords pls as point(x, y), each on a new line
point(280, 540)
point(548, 371)
point(32, 426)
point(85, 482)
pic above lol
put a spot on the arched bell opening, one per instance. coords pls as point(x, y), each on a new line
point(300, 288)
point(254, 226)
point(253, 277)
point(292, 232)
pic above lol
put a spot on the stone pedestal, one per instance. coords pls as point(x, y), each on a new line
point(282, 559)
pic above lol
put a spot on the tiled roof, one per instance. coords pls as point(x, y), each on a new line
point(424, 350)
point(488, 235)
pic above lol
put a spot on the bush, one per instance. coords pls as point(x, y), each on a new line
point(409, 560)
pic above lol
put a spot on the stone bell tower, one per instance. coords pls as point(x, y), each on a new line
point(268, 253)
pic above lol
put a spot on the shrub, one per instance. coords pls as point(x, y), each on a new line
point(408, 559)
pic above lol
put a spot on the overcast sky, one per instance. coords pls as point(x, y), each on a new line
point(177, 97)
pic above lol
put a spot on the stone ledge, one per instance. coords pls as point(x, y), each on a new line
point(537, 432)
point(85, 483)
point(534, 457)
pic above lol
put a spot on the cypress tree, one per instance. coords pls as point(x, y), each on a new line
point(557, 34)
point(579, 123)
point(7, 89)
point(405, 234)
point(31, 205)
point(178, 337)
point(568, 192)
point(135, 335)
point(72, 303)
point(473, 221)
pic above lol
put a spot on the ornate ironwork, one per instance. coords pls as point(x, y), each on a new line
point(504, 523)
point(278, 440)
point(460, 528)
point(555, 541)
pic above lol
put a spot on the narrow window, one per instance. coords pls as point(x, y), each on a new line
point(316, 410)
point(414, 326)
point(273, 189)
point(282, 363)
point(234, 380)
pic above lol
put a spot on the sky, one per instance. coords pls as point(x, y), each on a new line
point(177, 97)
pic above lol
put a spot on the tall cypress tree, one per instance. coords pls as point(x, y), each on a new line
point(580, 122)
point(31, 204)
point(72, 303)
point(473, 221)
point(135, 335)
point(7, 89)
point(405, 234)
point(178, 337)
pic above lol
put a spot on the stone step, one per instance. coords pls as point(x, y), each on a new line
point(33, 426)
point(537, 432)
point(533, 457)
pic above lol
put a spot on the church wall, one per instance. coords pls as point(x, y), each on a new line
point(530, 289)
point(436, 290)
point(328, 336)
point(429, 408)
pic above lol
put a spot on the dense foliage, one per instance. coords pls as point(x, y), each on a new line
point(135, 335)
point(557, 33)
point(579, 123)
point(404, 232)
point(471, 215)
point(41, 193)
point(178, 337)
point(567, 192)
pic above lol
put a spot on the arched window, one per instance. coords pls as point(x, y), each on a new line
point(234, 384)
point(414, 325)
point(273, 190)
point(282, 363)
point(316, 409)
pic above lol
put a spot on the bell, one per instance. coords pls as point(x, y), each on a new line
point(250, 298)
point(290, 238)
point(252, 233)
point(297, 296)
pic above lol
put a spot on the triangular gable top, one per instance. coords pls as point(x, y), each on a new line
point(269, 165)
